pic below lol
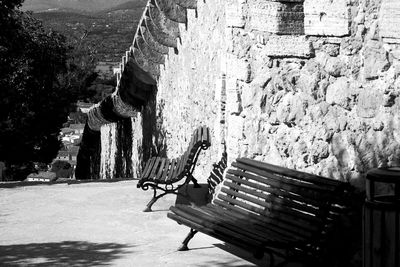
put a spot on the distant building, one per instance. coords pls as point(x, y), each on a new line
point(67, 130)
point(83, 106)
point(41, 177)
point(105, 69)
point(73, 153)
point(116, 70)
point(63, 155)
point(77, 128)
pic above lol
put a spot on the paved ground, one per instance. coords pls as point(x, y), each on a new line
point(100, 224)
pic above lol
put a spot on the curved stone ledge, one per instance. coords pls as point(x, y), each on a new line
point(163, 23)
point(189, 4)
point(149, 53)
point(161, 37)
point(107, 109)
point(121, 108)
point(140, 67)
point(144, 63)
point(95, 118)
point(151, 42)
point(172, 10)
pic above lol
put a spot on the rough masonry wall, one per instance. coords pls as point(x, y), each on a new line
point(186, 96)
point(324, 99)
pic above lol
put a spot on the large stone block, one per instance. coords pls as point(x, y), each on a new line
point(340, 93)
point(389, 19)
point(291, 108)
point(289, 46)
point(326, 17)
point(277, 17)
point(375, 60)
point(238, 68)
point(235, 16)
point(233, 105)
point(369, 102)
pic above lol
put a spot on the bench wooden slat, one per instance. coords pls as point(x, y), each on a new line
point(161, 168)
point(252, 216)
point(165, 170)
point(184, 162)
point(191, 144)
point(284, 219)
point(196, 134)
point(309, 190)
point(320, 180)
point(155, 167)
point(273, 200)
point(258, 210)
point(206, 135)
point(199, 134)
point(298, 202)
point(177, 173)
point(262, 220)
point(256, 226)
point(148, 167)
point(239, 225)
point(216, 227)
point(275, 190)
point(291, 224)
point(171, 171)
point(283, 179)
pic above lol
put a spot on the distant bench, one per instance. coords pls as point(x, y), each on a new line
point(269, 209)
point(164, 174)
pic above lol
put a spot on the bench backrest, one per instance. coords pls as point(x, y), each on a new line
point(294, 204)
point(164, 170)
point(216, 174)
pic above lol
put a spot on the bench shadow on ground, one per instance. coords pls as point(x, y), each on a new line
point(240, 254)
point(66, 253)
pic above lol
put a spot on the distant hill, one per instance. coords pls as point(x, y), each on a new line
point(63, 15)
point(108, 33)
point(78, 5)
point(138, 4)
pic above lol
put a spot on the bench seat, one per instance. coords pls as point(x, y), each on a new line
point(168, 175)
point(265, 208)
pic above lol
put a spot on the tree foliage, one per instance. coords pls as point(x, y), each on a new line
point(41, 77)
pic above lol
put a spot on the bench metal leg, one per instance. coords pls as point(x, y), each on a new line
point(167, 190)
point(185, 242)
point(194, 181)
point(153, 200)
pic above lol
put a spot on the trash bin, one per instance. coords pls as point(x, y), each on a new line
point(381, 218)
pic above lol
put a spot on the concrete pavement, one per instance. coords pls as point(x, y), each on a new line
point(100, 224)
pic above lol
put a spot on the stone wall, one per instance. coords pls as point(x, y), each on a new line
point(325, 102)
point(311, 85)
point(186, 95)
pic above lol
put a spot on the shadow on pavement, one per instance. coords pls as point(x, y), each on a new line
point(241, 254)
point(67, 253)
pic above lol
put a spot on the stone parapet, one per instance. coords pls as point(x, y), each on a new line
point(288, 46)
point(278, 17)
point(389, 21)
point(326, 17)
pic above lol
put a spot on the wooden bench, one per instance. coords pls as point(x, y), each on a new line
point(164, 174)
point(264, 208)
